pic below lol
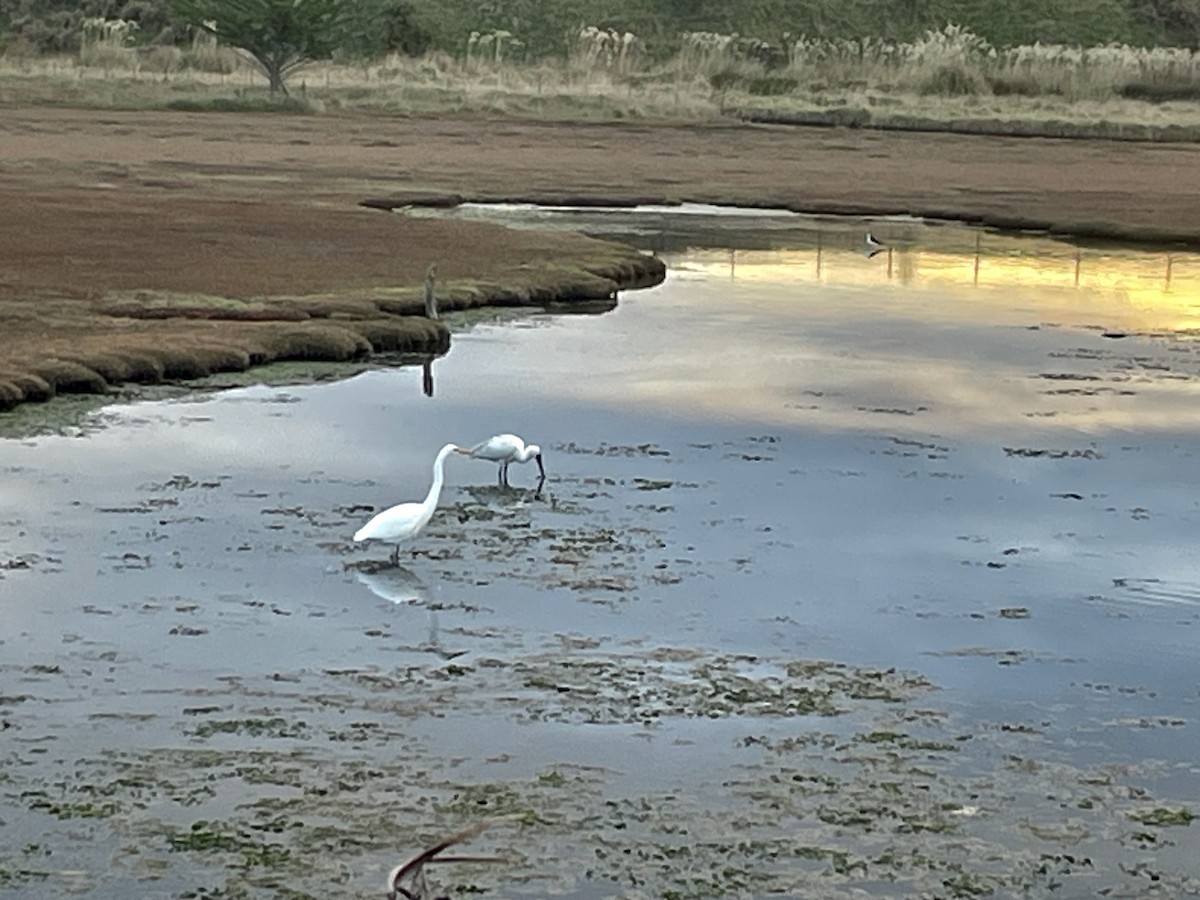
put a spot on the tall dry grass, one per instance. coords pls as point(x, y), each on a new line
point(948, 74)
point(107, 44)
point(955, 62)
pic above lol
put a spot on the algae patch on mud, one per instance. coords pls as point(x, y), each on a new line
point(613, 690)
point(623, 762)
point(835, 779)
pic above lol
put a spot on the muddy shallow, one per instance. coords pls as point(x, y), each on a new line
point(850, 575)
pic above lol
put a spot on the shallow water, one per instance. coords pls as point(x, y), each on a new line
point(962, 469)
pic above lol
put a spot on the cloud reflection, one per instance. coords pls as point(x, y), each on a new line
point(992, 333)
point(965, 334)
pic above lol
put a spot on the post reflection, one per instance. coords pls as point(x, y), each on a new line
point(427, 377)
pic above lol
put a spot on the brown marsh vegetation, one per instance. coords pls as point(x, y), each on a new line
point(154, 245)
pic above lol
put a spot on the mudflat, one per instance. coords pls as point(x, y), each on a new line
point(142, 245)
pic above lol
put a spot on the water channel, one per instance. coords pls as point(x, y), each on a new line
point(850, 574)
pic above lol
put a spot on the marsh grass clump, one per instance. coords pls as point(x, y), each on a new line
point(724, 79)
point(164, 60)
point(220, 358)
point(112, 367)
point(771, 85)
point(205, 54)
point(319, 342)
point(181, 364)
point(1004, 85)
point(1184, 90)
point(10, 394)
point(106, 44)
point(67, 377)
point(143, 367)
point(953, 80)
point(409, 335)
point(591, 49)
point(23, 387)
point(184, 359)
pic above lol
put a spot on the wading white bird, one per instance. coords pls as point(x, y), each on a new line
point(873, 246)
point(399, 523)
point(505, 449)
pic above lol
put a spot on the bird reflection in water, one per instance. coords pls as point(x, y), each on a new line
point(403, 587)
point(395, 583)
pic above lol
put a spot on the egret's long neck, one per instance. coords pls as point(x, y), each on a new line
point(435, 489)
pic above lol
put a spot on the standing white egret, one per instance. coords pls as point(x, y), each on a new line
point(399, 523)
point(873, 246)
point(505, 449)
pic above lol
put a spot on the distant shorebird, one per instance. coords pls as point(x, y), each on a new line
point(873, 246)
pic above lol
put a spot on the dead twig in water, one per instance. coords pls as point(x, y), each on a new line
point(414, 869)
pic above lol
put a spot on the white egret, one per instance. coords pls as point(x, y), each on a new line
point(505, 449)
point(399, 523)
point(873, 246)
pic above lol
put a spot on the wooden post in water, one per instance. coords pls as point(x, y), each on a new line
point(431, 311)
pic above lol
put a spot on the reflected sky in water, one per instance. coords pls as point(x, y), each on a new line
point(952, 458)
point(950, 330)
point(828, 455)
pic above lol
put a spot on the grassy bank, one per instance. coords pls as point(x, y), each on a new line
point(91, 336)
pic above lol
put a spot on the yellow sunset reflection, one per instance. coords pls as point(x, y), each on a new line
point(1130, 290)
point(1008, 337)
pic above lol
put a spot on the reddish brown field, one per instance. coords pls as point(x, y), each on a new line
point(121, 231)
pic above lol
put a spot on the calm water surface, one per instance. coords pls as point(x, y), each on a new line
point(971, 457)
